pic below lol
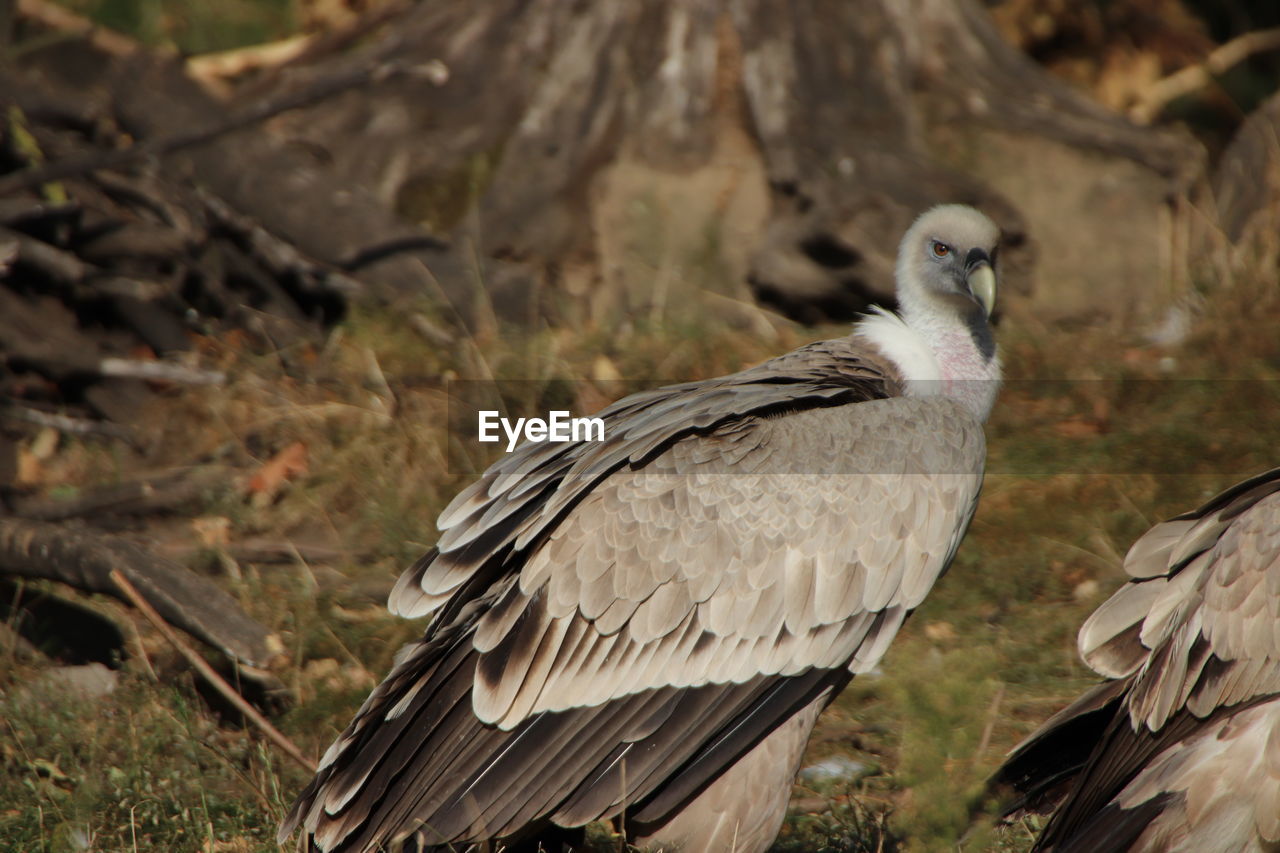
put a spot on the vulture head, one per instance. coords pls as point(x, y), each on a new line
point(946, 265)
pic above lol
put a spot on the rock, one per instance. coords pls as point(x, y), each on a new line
point(833, 769)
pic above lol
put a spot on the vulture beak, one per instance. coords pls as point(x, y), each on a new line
point(981, 279)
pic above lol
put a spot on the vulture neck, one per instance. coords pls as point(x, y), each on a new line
point(939, 353)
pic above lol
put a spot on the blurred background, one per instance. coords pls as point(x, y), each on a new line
point(250, 248)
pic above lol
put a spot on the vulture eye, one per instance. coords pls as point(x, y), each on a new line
point(940, 250)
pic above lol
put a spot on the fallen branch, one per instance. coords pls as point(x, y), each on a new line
point(167, 492)
point(65, 423)
point(56, 17)
point(279, 256)
point(241, 60)
point(85, 560)
point(15, 211)
point(269, 60)
point(162, 371)
point(1193, 77)
point(60, 265)
point(210, 674)
point(57, 364)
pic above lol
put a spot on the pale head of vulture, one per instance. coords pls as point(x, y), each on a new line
point(946, 276)
point(946, 265)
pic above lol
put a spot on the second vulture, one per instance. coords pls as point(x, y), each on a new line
point(644, 629)
point(1180, 751)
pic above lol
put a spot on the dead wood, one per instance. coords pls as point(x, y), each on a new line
point(165, 493)
point(61, 266)
point(785, 146)
point(17, 211)
point(394, 260)
point(65, 424)
point(160, 371)
point(61, 19)
point(270, 60)
point(281, 257)
point(40, 333)
point(86, 561)
point(94, 268)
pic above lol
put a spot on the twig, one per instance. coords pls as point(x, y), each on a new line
point(325, 45)
point(14, 211)
point(277, 57)
point(1193, 77)
point(280, 256)
point(218, 682)
point(65, 423)
point(271, 57)
point(431, 332)
point(56, 263)
point(990, 725)
point(56, 17)
point(127, 368)
point(241, 60)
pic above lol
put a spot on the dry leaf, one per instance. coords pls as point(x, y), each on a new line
point(289, 463)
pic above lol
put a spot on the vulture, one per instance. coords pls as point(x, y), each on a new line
point(643, 629)
point(1179, 751)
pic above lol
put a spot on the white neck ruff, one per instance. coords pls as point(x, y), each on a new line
point(935, 357)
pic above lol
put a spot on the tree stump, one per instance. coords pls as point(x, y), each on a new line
point(627, 155)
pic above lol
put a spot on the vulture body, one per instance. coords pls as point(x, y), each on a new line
point(1180, 751)
point(644, 629)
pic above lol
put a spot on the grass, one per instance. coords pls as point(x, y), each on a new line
point(149, 769)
